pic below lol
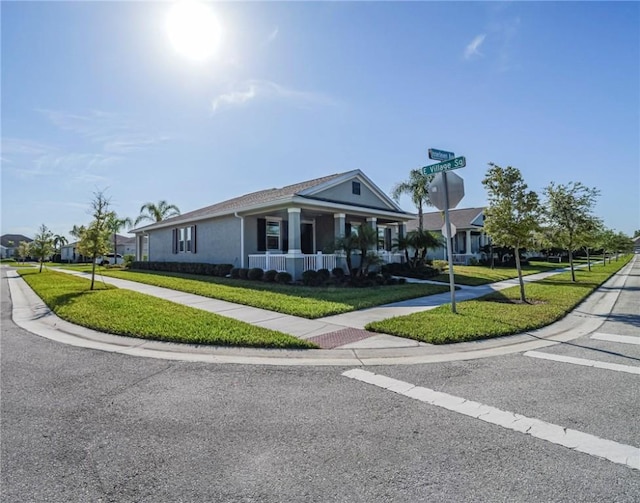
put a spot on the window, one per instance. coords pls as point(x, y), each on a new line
point(273, 235)
point(184, 239)
point(355, 188)
point(354, 228)
point(381, 238)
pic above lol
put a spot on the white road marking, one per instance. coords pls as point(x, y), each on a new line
point(625, 339)
point(582, 442)
point(581, 361)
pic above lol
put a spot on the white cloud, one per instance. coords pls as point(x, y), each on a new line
point(473, 47)
point(263, 89)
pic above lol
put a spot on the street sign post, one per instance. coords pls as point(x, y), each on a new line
point(440, 155)
point(458, 162)
point(445, 191)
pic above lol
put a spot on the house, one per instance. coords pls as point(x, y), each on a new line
point(124, 246)
point(292, 228)
point(10, 242)
point(636, 244)
point(468, 238)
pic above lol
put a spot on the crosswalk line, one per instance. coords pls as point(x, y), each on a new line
point(624, 339)
point(584, 362)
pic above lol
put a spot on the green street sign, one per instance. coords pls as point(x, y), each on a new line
point(458, 162)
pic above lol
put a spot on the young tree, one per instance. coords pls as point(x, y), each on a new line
point(421, 241)
point(94, 240)
point(568, 210)
point(513, 213)
point(115, 224)
point(23, 250)
point(157, 212)
point(588, 238)
point(42, 245)
point(417, 189)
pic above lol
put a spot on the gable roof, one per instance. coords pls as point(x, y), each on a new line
point(464, 218)
point(16, 238)
point(256, 200)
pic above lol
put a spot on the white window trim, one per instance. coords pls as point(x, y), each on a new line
point(266, 234)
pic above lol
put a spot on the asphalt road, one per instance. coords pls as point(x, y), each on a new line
point(80, 425)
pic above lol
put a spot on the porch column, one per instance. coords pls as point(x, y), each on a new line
point(468, 245)
point(339, 225)
point(294, 231)
point(139, 244)
point(373, 223)
point(402, 230)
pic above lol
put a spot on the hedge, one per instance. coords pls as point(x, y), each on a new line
point(221, 270)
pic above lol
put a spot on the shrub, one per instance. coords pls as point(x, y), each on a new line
point(128, 260)
point(440, 265)
point(310, 278)
point(243, 273)
point(235, 272)
point(323, 275)
point(402, 281)
point(283, 277)
point(337, 272)
point(473, 261)
point(255, 274)
point(270, 275)
point(223, 270)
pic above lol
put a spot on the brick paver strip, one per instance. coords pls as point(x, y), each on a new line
point(341, 337)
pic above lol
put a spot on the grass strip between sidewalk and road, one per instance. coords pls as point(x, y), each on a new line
point(501, 313)
point(296, 300)
point(123, 312)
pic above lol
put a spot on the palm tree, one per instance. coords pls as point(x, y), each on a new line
point(157, 212)
point(58, 242)
point(417, 189)
point(421, 241)
point(114, 224)
point(77, 231)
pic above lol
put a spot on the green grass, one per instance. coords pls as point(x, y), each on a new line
point(306, 302)
point(475, 275)
point(123, 312)
point(500, 313)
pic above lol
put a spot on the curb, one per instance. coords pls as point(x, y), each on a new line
point(31, 314)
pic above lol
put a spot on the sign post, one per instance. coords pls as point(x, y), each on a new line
point(450, 162)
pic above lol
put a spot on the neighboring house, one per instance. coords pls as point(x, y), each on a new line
point(10, 243)
point(283, 229)
point(125, 246)
point(468, 239)
point(636, 244)
point(3, 251)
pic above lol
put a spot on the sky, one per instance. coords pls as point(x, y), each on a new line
point(101, 96)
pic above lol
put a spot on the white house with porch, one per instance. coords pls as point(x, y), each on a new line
point(468, 239)
point(291, 229)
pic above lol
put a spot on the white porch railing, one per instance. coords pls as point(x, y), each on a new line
point(268, 261)
point(390, 257)
point(320, 261)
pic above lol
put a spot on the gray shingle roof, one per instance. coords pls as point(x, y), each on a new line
point(433, 221)
point(254, 198)
point(16, 238)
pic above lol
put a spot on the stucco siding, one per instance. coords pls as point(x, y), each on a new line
point(217, 242)
point(343, 193)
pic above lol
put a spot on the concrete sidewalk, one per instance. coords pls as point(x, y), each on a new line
point(347, 342)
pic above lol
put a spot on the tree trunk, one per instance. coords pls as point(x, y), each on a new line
point(93, 272)
point(41, 264)
point(420, 217)
point(573, 272)
point(520, 280)
point(588, 260)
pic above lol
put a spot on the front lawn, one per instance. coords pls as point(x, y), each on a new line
point(475, 275)
point(306, 302)
point(123, 312)
point(500, 313)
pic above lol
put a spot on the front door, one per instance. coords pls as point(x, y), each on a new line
point(306, 238)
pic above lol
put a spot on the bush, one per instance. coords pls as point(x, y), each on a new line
point(235, 272)
point(255, 274)
point(323, 275)
point(440, 265)
point(402, 281)
point(128, 260)
point(337, 272)
point(283, 277)
point(270, 275)
point(223, 270)
point(310, 278)
point(243, 273)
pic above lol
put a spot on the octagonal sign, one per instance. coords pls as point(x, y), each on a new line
point(455, 184)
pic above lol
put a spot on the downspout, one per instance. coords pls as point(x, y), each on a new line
point(241, 238)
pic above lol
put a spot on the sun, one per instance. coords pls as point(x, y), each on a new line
point(194, 30)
